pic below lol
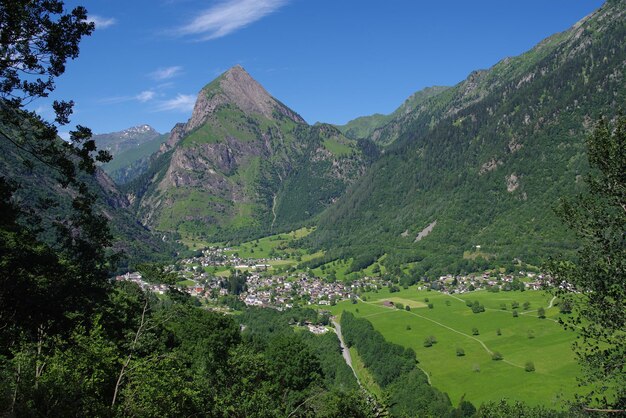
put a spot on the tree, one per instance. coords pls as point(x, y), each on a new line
point(49, 283)
point(598, 276)
point(36, 40)
point(541, 313)
point(565, 307)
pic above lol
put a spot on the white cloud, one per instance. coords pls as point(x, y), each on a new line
point(102, 22)
point(229, 16)
point(181, 103)
point(145, 96)
point(165, 73)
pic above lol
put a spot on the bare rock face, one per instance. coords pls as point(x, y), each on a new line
point(512, 182)
point(236, 86)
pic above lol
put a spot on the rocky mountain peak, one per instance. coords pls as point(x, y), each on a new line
point(238, 88)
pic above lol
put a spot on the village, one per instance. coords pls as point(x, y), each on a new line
point(255, 283)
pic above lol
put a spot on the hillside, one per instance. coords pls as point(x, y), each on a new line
point(39, 190)
point(373, 126)
point(484, 162)
point(243, 165)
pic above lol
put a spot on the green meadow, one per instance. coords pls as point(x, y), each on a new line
point(475, 375)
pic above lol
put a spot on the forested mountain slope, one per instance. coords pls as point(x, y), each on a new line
point(243, 165)
point(484, 162)
point(38, 190)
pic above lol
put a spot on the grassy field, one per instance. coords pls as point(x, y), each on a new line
point(276, 244)
point(475, 375)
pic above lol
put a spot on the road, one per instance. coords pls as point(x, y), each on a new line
point(344, 349)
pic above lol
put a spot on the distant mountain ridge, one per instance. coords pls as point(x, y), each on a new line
point(118, 142)
point(372, 126)
point(244, 164)
point(131, 149)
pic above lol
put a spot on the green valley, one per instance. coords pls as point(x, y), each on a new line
point(463, 256)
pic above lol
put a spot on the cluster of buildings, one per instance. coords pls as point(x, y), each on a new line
point(137, 279)
point(217, 257)
point(493, 281)
point(283, 292)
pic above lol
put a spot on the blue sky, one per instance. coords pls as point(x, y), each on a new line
point(329, 60)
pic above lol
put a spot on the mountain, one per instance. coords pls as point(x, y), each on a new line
point(243, 165)
point(131, 150)
point(118, 142)
point(473, 173)
point(372, 126)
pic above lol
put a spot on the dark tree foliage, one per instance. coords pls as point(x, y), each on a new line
point(503, 409)
point(598, 277)
point(69, 273)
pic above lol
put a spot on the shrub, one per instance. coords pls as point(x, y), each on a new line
point(541, 313)
point(515, 314)
point(477, 307)
point(430, 306)
point(429, 341)
point(475, 331)
point(407, 308)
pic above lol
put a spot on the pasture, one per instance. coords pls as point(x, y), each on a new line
point(475, 376)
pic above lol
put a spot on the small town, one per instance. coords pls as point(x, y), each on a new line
point(264, 288)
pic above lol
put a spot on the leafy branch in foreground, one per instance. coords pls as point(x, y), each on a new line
point(598, 277)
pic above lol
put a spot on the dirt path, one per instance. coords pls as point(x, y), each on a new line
point(345, 350)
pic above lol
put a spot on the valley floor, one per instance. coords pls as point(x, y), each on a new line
point(475, 376)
